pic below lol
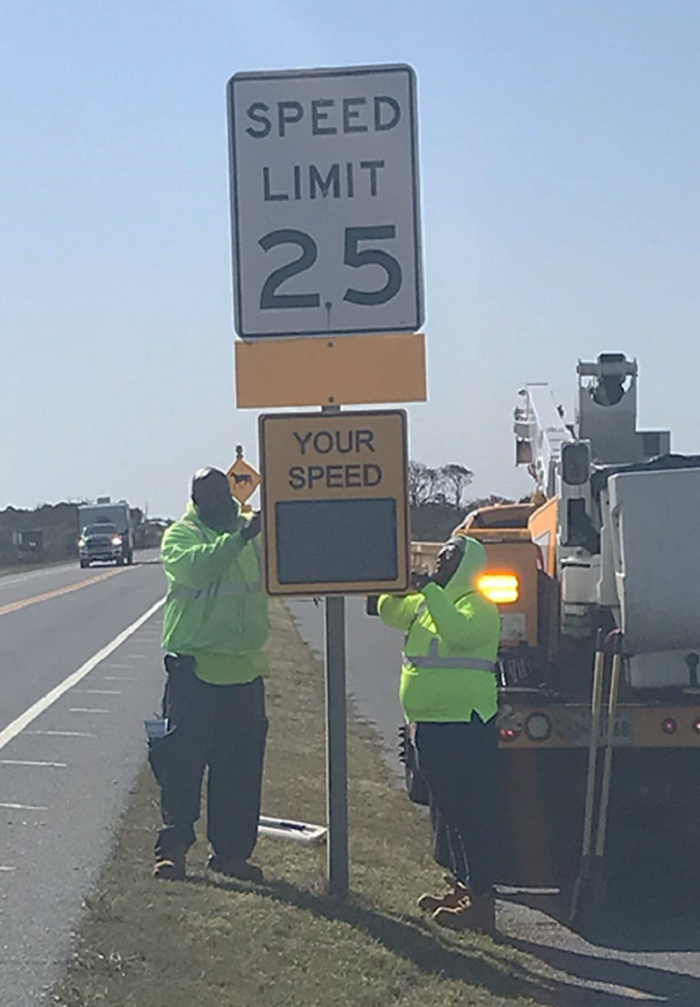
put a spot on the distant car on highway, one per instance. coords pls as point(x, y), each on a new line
point(103, 543)
point(102, 515)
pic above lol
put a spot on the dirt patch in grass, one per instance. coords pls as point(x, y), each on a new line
point(213, 943)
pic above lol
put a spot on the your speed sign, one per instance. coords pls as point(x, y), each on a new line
point(325, 202)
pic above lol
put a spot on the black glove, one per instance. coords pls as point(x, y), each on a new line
point(419, 580)
point(372, 604)
point(440, 577)
point(251, 528)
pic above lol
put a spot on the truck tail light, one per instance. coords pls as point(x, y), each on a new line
point(501, 588)
point(696, 726)
point(509, 733)
point(510, 724)
point(669, 726)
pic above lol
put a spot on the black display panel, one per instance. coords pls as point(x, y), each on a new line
point(336, 541)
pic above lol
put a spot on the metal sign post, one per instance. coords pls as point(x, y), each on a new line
point(336, 742)
point(336, 749)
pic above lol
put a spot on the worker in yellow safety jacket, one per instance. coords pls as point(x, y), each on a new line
point(449, 692)
point(214, 630)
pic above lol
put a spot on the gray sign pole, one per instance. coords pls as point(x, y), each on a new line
point(336, 742)
point(336, 748)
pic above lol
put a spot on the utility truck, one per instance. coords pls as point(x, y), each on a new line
point(106, 532)
point(598, 583)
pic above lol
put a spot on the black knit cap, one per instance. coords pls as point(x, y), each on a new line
point(207, 478)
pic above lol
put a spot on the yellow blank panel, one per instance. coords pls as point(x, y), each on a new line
point(350, 370)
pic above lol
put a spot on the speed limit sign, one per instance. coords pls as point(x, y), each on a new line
point(325, 202)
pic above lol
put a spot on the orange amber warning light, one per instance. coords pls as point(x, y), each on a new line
point(501, 588)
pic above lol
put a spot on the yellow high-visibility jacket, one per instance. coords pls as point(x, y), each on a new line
point(215, 608)
point(451, 644)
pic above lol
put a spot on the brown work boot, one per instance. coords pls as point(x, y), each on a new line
point(172, 867)
point(236, 868)
point(475, 913)
point(452, 898)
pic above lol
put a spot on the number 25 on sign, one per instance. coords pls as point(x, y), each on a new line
point(325, 202)
point(353, 257)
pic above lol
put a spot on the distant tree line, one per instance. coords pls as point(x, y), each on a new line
point(439, 499)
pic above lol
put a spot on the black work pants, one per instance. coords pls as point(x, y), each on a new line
point(222, 727)
point(459, 762)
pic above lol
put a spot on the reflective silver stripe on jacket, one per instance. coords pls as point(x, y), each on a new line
point(433, 659)
point(214, 590)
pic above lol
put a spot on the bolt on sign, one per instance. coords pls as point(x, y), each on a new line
point(325, 202)
point(243, 478)
point(334, 502)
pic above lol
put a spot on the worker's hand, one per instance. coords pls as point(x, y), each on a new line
point(251, 528)
point(441, 576)
point(372, 606)
point(448, 560)
point(419, 579)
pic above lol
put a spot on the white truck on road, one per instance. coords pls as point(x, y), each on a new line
point(106, 532)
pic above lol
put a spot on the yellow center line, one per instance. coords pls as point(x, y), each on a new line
point(15, 606)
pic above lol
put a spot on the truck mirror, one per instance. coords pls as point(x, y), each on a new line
point(575, 463)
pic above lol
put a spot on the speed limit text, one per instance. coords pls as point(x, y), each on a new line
point(323, 116)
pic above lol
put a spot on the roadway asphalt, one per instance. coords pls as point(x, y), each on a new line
point(647, 948)
point(70, 747)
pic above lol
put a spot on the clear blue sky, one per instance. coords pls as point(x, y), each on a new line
point(560, 144)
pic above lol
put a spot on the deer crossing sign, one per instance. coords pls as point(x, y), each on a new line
point(335, 502)
point(325, 202)
point(243, 478)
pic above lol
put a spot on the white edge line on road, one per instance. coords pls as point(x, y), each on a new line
point(64, 734)
point(43, 704)
point(40, 765)
point(23, 807)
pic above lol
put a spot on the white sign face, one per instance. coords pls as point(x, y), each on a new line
point(325, 202)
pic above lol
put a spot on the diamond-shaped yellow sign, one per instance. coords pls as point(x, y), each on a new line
point(243, 479)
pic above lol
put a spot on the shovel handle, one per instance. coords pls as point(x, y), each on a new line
point(596, 705)
point(609, 739)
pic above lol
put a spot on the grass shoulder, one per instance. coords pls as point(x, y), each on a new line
point(218, 943)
